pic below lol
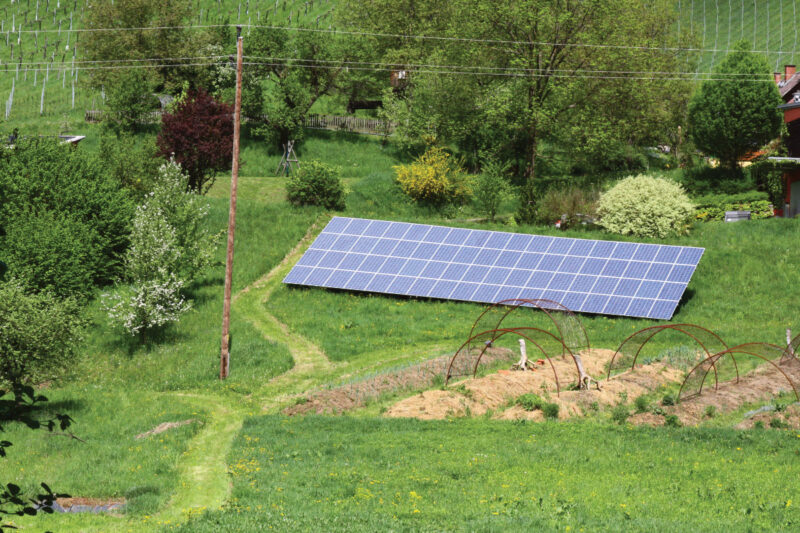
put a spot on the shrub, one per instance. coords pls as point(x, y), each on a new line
point(705, 180)
point(645, 206)
point(53, 251)
point(434, 179)
point(713, 207)
point(668, 399)
point(550, 410)
point(199, 135)
point(672, 421)
point(39, 334)
point(40, 177)
point(642, 404)
point(492, 188)
point(530, 402)
point(620, 414)
point(316, 183)
point(169, 248)
point(710, 411)
point(578, 203)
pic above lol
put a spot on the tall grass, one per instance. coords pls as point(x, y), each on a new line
point(344, 474)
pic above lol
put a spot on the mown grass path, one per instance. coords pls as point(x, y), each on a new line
point(204, 483)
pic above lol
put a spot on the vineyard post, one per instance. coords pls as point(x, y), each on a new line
point(224, 363)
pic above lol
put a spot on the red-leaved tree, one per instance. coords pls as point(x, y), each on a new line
point(199, 135)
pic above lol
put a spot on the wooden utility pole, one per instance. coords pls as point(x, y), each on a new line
point(224, 359)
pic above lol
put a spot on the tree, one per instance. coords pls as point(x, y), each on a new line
point(129, 98)
point(534, 70)
point(167, 39)
point(297, 83)
point(198, 134)
point(170, 247)
point(731, 117)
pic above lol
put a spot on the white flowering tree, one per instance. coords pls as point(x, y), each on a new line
point(169, 247)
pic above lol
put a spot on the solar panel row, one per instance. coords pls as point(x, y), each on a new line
point(618, 278)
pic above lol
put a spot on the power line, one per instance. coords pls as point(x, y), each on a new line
point(333, 31)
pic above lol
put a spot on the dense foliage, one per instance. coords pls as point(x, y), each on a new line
point(729, 119)
point(198, 134)
point(713, 207)
point(67, 220)
point(316, 183)
point(492, 188)
point(645, 206)
point(170, 247)
point(39, 334)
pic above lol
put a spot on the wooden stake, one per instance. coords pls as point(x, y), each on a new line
point(224, 361)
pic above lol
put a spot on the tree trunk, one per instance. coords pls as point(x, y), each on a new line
point(526, 212)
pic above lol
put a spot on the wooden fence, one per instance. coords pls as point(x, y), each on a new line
point(368, 126)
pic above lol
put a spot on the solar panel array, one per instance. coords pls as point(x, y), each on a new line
point(589, 276)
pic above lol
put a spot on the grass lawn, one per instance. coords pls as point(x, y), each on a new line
point(345, 474)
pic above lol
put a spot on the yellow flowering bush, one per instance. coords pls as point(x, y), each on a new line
point(434, 179)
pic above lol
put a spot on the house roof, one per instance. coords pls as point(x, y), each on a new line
point(789, 85)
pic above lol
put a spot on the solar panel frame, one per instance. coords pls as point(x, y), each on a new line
point(590, 276)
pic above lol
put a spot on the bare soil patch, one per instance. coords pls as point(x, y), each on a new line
point(763, 383)
point(496, 391)
point(355, 395)
point(88, 505)
point(165, 426)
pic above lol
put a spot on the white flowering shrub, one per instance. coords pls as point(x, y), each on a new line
point(645, 206)
point(169, 247)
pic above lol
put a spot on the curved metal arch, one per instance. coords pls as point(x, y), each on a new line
point(496, 334)
point(649, 332)
point(544, 305)
point(747, 349)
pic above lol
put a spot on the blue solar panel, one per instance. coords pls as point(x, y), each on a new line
point(590, 276)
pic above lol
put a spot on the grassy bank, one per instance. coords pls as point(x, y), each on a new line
point(342, 474)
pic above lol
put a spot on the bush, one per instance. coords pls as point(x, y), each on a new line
point(645, 206)
point(39, 176)
point(39, 334)
point(713, 207)
point(53, 251)
point(316, 183)
point(705, 180)
point(434, 179)
point(492, 188)
point(169, 248)
point(668, 399)
point(530, 402)
point(642, 404)
point(550, 410)
point(672, 421)
point(620, 414)
point(578, 203)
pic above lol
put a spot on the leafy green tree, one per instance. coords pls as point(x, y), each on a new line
point(168, 38)
point(532, 70)
point(731, 117)
point(129, 97)
point(294, 85)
